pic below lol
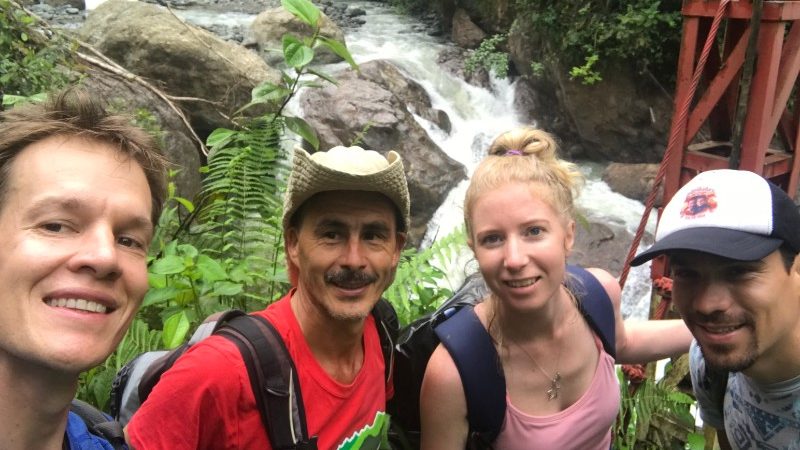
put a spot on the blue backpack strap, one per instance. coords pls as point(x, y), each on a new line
point(595, 305)
point(481, 371)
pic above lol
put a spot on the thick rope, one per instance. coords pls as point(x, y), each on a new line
point(673, 140)
point(636, 373)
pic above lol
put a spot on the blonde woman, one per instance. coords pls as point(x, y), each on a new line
point(561, 386)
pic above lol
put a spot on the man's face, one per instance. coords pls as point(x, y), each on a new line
point(75, 222)
point(346, 249)
point(744, 314)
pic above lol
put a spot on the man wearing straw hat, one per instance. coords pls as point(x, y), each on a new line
point(736, 281)
point(345, 219)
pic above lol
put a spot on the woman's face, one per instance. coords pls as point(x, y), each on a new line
point(521, 243)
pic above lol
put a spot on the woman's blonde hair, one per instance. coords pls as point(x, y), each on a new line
point(525, 155)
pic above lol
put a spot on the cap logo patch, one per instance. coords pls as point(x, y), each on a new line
point(698, 203)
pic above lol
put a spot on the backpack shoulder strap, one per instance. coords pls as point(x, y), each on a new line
point(274, 380)
point(595, 305)
point(98, 424)
point(480, 369)
point(388, 328)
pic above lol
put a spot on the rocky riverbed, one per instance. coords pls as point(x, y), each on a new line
point(346, 16)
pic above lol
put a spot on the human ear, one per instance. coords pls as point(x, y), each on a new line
point(569, 237)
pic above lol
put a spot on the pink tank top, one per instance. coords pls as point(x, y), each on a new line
point(585, 425)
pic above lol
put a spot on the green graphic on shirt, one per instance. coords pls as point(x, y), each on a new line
point(371, 437)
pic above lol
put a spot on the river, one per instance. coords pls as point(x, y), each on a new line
point(477, 116)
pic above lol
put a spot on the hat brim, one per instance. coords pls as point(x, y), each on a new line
point(733, 244)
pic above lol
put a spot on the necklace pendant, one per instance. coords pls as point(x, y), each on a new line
point(555, 386)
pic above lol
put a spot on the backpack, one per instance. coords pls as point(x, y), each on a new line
point(273, 376)
point(456, 326)
point(99, 425)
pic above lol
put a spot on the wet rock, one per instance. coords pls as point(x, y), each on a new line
point(185, 60)
point(365, 110)
point(633, 180)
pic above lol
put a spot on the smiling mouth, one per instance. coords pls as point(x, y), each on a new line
point(350, 286)
point(720, 330)
point(77, 304)
point(521, 283)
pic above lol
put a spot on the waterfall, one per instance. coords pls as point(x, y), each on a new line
point(477, 116)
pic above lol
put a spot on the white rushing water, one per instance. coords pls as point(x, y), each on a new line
point(477, 116)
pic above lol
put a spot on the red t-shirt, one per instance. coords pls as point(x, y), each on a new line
point(205, 400)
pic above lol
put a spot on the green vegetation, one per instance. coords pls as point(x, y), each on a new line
point(489, 57)
point(30, 62)
point(587, 35)
point(224, 249)
point(655, 416)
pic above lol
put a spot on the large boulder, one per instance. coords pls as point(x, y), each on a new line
point(603, 245)
point(465, 33)
point(625, 117)
point(367, 112)
point(411, 93)
point(185, 60)
point(131, 98)
point(633, 180)
point(269, 27)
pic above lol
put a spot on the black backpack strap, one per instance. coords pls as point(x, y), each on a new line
point(481, 371)
point(273, 378)
point(388, 328)
point(595, 305)
point(98, 424)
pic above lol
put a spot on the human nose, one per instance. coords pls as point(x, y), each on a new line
point(514, 256)
point(711, 297)
point(353, 256)
point(97, 253)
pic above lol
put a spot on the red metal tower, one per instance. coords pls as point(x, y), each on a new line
point(745, 111)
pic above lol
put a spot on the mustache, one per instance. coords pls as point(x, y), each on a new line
point(350, 277)
point(722, 318)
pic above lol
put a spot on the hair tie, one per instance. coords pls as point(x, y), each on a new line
point(513, 152)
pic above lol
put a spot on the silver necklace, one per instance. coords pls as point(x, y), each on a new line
point(555, 380)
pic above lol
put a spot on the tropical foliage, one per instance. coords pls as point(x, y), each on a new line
point(585, 35)
point(30, 62)
point(224, 249)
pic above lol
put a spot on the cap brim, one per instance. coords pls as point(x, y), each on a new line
point(722, 242)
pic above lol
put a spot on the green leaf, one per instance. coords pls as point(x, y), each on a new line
point(167, 265)
point(695, 441)
point(267, 91)
point(187, 250)
point(220, 137)
point(324, 76)
point(210, 269)
point(295, 52)
point(175, 329)
point(186, 203)
point(227, 288)
point(303, 10)
point(340, 49)
point(156, 296)
point(303, 129)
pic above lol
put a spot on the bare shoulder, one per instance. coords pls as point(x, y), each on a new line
point(443, 407)
point(442, 374)
point(608, 281)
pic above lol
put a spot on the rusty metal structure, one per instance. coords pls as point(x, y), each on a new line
point(737, 103)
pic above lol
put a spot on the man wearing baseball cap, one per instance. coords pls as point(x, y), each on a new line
point(346, 214)
point(733, 240)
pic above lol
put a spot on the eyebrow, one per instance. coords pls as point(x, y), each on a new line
point(77, 205)
point(377, 225)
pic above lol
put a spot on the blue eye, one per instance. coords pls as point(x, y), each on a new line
point(534, 231)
